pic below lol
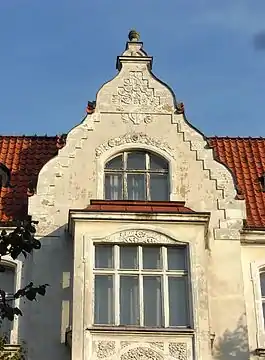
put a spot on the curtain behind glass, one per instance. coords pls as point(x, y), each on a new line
point(136, 187)
point(129, 300)
point(113, 186)
point(104, 299)
point(152, 301)
point(178, 302)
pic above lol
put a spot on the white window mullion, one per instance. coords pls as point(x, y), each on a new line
point(164, 274)
point(116, 285)
point(124, 177)
point(141, 286)
point(147, 177)
point(165, 288)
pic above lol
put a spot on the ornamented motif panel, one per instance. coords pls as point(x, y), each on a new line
point(139, 237)
point(136, 350)
point(134, 138)
point(137, 93)
point(137, 100)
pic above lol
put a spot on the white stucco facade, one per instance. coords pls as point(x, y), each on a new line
point(137, 111)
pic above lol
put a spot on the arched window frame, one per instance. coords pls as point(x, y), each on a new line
point(16, 266)
point(147, 172)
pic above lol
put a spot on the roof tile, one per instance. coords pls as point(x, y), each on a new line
point(247, 165)
point(26, 155)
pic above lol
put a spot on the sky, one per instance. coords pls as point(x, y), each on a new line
point(56, 54)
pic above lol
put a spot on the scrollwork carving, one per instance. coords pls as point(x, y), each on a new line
point(126, 343)
point(105, 349)
point(136, 118)
point(137, 94)
point(159, 345)
point(141, 353)
point(139, 236)
point(178, 350)
point(134, 138)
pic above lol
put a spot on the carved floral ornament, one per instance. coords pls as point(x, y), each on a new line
point(134, 138)
point(127, 350)
point(137, 93)
point(138, 100)
point(139, 236)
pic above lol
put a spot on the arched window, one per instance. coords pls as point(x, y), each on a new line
point(262, 291)
point(137, 175)
point(7, 283)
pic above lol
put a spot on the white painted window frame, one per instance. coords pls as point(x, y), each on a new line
point(16, 265)
point(163, 272)
point(147, 172)
point(255, 268)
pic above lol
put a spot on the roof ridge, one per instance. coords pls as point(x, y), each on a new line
point(236, 137)
point(29, 136)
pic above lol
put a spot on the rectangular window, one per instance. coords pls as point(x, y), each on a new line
point(141, 286)
point(7, 283)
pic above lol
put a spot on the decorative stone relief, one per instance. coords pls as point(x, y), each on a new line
point(136, 94)
point(134, 138)
point(178, 350)
point(159, 345)
point(136, 118)
point(126, 343)
point(141, 353)
point(104, 349)
point(139, 236)
point(136, 350)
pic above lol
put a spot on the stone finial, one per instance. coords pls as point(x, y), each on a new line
point(134, 36)
point(91, 105)
point(180, 108)
point(61, 141)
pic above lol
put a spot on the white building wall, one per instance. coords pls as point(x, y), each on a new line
point(76, 175)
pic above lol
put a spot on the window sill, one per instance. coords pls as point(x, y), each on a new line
point(131, 330)
point(137, 329)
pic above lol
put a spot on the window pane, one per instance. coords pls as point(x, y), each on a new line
point(151, 257)
point(115, 163)
point(263, 310)
point(103, 256)
point(129, 300)
point(152, 301)
point(178, 303)
point(128, 257)
point(113, 186)
point(262, 283)
point(159, 187)
point(136, 160)
point(7, 280)
point(136, 187)
point(157, 163)
point(104, 300)
point(176, 257)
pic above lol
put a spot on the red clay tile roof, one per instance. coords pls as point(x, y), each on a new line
point(246, 159)
point(139, 206)
point(25, 156)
